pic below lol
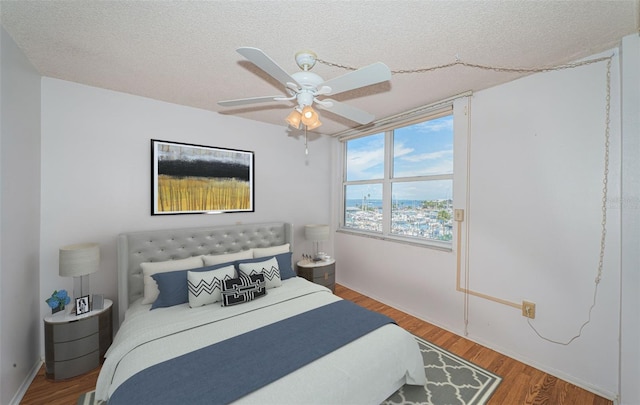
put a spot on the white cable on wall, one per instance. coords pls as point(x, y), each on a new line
point(466, 290)
point(603, 234)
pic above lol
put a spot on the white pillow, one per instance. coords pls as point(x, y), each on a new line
point(150, 268)
point(270, 251)
point(269, 268)
point(210, 260)
point(205, 287)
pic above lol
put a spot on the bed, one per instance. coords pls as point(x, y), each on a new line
point(286, 341)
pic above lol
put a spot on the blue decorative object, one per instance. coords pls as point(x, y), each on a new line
point(58, 300)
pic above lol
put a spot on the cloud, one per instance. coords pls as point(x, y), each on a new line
point(401, 150)
point(437, 125)
point(360, 162)
point(421, 164)
point(444, 167)
point(441, 154)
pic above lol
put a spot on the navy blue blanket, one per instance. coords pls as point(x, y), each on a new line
point(228, 370)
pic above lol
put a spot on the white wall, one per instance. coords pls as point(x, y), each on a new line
point(96, 173)
point(20, 221)
point(95, 184)
point(630, 206)
point(534, 221)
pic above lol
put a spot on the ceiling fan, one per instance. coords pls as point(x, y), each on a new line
point(305, 88)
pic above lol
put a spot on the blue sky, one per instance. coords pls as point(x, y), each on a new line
point(420, 149)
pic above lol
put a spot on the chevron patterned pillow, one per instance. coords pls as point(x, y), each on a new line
point(269, 268)
point(205, 287)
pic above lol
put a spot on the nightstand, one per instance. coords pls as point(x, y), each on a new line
point(322, 272)
point(74, 344)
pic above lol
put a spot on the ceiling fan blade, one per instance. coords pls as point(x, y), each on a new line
point(264, 62)
point(366, 76)
point(346, 111)
point(252, 100)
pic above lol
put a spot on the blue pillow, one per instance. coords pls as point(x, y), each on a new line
point(284, 264)
point(173, 286)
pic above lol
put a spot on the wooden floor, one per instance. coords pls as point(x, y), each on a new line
point(521, 384)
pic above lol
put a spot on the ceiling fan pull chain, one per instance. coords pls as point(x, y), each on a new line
point(306, 148)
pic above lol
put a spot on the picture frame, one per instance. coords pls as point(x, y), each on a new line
point(82, 305)
point(198, 179)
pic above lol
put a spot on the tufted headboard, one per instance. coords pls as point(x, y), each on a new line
point(170, 244)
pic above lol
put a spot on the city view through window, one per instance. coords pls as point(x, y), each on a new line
point(420, 180)
point(428, 219)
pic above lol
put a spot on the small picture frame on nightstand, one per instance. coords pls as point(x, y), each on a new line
point(82, 305)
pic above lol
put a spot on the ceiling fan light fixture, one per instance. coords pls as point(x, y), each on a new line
point(294, 119)
point(310, 118)
point(313, 125)
point(309, 115)
point(304, 87)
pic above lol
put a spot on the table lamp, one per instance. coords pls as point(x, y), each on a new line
point(317, 233)
point(78, 261)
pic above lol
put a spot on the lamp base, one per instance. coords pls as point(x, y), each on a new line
point(320, 256)
point(81, 286)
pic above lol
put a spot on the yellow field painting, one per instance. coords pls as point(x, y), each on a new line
point(202, 194)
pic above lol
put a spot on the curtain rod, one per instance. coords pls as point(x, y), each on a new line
point(404, 116)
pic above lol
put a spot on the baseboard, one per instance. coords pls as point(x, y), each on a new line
point(551, 371)
point(26, 383)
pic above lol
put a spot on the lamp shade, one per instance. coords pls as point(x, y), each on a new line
point(79, 260)
point(294, 118)
point(310, 118)
point(314, 125)
point(309, 115)
point(316, 232)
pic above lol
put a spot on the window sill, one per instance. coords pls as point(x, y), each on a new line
point(441, 246)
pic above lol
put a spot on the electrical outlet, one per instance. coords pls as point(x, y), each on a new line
point(529, 309)
point(458, 215)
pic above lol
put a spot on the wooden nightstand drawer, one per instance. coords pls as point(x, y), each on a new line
point(75, 348)
point(76, 330)
point(66, 369)
point(325, 278)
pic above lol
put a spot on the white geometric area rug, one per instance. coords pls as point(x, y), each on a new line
point(88, 398)
point(451, 380)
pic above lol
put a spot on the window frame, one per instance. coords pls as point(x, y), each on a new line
point(439, 111)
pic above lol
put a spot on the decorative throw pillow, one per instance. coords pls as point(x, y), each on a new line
point(268, 267)
point(171, 289)
point(243, 289)
point(284, 264)
point(205, 287)
point(150, 268)
point(173, 286)
point(270, 251)
point(228, 258)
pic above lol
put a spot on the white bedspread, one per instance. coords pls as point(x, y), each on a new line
point(365, 371)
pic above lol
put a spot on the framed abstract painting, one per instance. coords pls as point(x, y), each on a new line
point(196, 179)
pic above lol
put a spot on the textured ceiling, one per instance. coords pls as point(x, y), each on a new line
point(184, 51)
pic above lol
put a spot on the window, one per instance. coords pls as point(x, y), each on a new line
point(398, 184)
